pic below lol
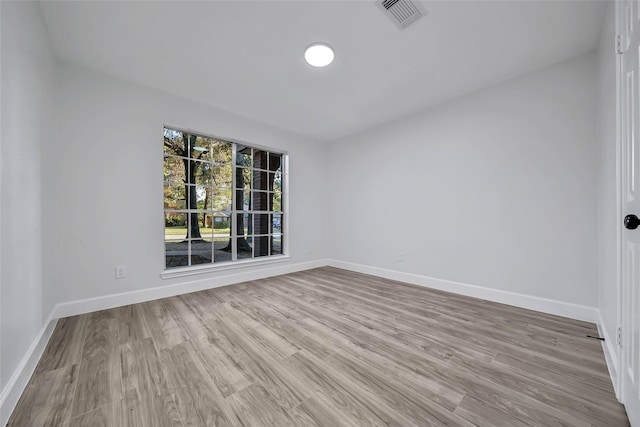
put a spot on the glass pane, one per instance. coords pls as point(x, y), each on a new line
point(201, 148)
point(175, 226)
point(198, 197)
point(221, 249)
point(174, 169)
point(245, 248)
point(277, 191)
point(221, 152)
point(276, 244)
point(202, 173)
point(221, 199)
point(203, 197)
point(243, 178)
point(205, 223)
point(276, 223)
point(243, 156)
point(276, 200)
point(201, 252)
point(174, 196)
point(176, 254)
point(259, 200)
point(221, 175)
point(260, 224)
point(199, 226)
point(244, 224)
point(260, 246)
point(259, 159)
point(260, 180)
point(208, 199)
point(173, 143)
point(221, 224)
point(243, 200)
point(221, 241)
point(277, 180)
point(190, 196)
point(176, 247)
point(275, 161)
point(272, 179)
point(248, 224)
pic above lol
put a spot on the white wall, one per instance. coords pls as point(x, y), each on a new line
point(27, 81)
point(496, 189)
point(608, 221)
point(107, 174)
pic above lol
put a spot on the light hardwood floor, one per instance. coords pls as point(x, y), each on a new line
point(324, 347)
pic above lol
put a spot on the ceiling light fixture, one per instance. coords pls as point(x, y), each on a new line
point(319, 55)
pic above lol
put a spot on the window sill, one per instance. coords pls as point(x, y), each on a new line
point(231, 265)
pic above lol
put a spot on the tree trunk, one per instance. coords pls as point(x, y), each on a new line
point(243, 245)
point(193, 228)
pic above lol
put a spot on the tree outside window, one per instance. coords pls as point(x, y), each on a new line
point(222, 200)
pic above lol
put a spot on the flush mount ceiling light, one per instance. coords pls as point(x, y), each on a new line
point(319, 55)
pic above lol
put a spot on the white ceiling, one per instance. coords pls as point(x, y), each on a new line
point(247, 56)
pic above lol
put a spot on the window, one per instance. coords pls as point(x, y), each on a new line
point(223, 201)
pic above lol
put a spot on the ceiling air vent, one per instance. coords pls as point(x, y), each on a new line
point(402, 12)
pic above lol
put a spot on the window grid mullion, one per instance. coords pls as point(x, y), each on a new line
point(188, 204)
point(260, 171)
point(234, 217)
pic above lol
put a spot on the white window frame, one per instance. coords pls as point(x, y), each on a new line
point(234, 263)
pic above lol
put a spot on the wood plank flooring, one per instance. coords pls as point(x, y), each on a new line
point(323, 347)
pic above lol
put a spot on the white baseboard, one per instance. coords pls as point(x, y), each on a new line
point(544, 305)
point(117, 300)
point(610, 349)
point(11, 393)
point(18, 381)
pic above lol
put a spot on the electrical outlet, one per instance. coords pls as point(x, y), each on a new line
point(121, 271)
point(401, 256)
